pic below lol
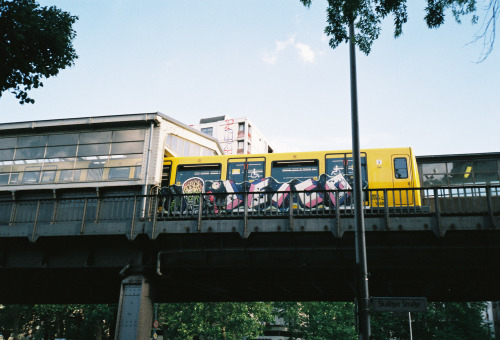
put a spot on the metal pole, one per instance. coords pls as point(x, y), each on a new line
point(362, 294)
point(409, 320)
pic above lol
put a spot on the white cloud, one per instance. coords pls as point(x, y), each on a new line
point(269, 58)
point(281, 45)
point(306, 53)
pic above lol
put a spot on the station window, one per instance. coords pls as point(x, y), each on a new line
point(286, 171)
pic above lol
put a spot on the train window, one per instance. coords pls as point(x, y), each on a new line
point(66, 175)
point(14, 178)
point(345, 166)
point(119, 173)
point(206, 172)
point(48, 176)
point(400, 168)
point(31, 176)
point(239, 173)
point(137, 172)
point(286, 171)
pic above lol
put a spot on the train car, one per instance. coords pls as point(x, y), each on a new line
point(325, 178)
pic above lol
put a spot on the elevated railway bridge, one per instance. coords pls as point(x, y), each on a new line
point(77, 226)
point(78, 249)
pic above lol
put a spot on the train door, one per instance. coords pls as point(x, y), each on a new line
point(402, 179)
point(243, 171)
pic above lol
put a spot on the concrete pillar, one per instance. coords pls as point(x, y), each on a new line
point(135, 309)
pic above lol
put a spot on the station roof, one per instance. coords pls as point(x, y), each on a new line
point(136, 119)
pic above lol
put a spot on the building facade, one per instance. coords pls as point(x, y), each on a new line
point(236, 135)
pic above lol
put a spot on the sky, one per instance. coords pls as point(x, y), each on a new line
point(269, 60)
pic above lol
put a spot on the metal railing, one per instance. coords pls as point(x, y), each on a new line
point(290, 204)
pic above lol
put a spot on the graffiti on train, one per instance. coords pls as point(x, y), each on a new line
point(265, 193)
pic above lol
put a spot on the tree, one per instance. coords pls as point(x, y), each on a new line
point(35, 43)
point(369, 14)
point(451, 320)
point(318, 320)
point(223, 320)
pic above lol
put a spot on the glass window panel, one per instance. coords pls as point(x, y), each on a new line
point(344, 165)
point(30, 153)
point(48, 176)
point(459, 167)
point(61, 151)
point(31, 177)
point(400, 168)
point(137, 172)
point(482, 177)
point(131, 147)
point(119, 173)
point(4, 178)
point(168, 140)
point(186, 148)
point(95, 137)
point(208, 130)
point(63, 139)
point(8, 143)
point(69, 175)
point(95, 174)
point(128, 135)
point(460, 179)
point(288, 171)
point(180, 146)
point(433, 168)
point(236, 172)
point(205, 172)
point(432, 180)
point(14, 178)
point(255, 171)
point(30, 141)
point(485, 166)
point(173, 142)
point(6, 155)
point(93, 149)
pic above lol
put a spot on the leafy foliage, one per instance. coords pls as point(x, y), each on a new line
point(461, 321)
point(35, 43)
point(368, 14)
point(224, 320)
point(235, 320)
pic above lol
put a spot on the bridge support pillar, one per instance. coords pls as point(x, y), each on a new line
point(135, 309)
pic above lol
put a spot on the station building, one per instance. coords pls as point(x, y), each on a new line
point(122, 153)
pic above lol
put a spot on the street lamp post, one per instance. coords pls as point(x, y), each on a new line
point(362, 295)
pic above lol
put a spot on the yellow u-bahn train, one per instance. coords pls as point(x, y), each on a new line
point(324, 178)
